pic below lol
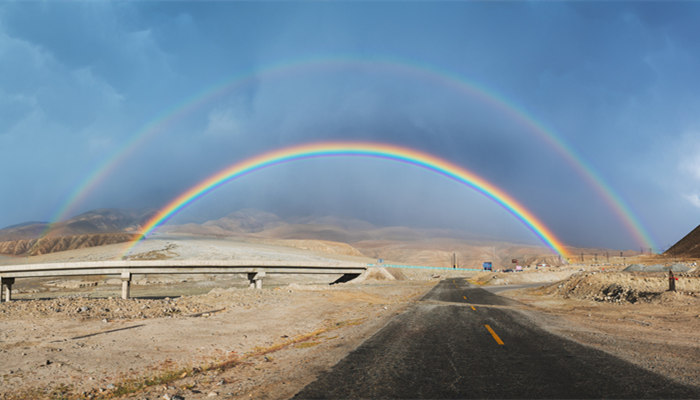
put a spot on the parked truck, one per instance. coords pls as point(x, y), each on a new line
point(488, 266)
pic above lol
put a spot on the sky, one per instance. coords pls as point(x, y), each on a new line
point(129, 104)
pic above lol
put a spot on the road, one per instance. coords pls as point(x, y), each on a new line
point(448, 346)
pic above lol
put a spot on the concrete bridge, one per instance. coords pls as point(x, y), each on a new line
point(255, 270)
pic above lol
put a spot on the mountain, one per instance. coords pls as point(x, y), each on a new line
point(337, 235)
point(102, 221)
point(246, 221)
point(256, 223)
point(93, 228)
point(45, 245)
point(401, 244)
point(25, 231)
point(688, 246)
point(23, 224)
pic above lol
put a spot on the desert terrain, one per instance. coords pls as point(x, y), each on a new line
point(209, 336)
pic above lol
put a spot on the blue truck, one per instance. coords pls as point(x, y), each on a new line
point(488, 266)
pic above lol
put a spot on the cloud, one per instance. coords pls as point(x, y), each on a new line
point(688, 153)
point(51, 116)
point(223, 121)
point(690, 163)
point(694, 199)
point(33, 81)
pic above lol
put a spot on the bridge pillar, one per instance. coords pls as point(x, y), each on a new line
point(255, 279)
point(6, 286)
point(126, 285)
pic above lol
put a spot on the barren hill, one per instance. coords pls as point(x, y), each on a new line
point(438, 252)
point(45, 245)
point(330, 234)
point(689, 246)
point(401, 244)
point(93, 228)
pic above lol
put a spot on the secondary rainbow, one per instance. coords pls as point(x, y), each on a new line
point(373, 150)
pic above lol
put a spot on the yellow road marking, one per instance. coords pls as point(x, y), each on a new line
point(498, 340)
point(473, 308)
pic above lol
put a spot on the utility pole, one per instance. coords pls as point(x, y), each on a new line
point(454, 260)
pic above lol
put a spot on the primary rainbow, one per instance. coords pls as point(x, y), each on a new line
point(374, 150)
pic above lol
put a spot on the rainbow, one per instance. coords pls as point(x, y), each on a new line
point(411, 69)
point(336, 149)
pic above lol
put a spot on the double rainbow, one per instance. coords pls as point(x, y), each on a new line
point(288, 69)
point(340, 149)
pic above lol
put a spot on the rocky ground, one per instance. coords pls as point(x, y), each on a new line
point(223, 342)
point(628, 314)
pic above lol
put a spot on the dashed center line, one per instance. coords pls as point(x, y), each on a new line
point(495, 336)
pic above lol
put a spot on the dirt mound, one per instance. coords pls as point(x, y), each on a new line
point(396, 273)
point(626, 287)
point(33, 247)
point(379, 274)
point(689, 246)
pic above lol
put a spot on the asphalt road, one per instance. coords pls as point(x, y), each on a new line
point(447, 346)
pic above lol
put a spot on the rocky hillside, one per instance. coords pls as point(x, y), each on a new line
point(93, 228)
point(33, 247)
point(689, 246)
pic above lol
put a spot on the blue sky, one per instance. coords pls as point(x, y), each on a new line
point(616, 81)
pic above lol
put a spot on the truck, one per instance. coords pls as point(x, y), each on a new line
point(488, 266)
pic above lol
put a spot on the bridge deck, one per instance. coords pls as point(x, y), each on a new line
point(256, 269)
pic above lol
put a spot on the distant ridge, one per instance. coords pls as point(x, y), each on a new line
point(327, 234)
point(402, 244)
point(689, 246)
point(23, 224)
point(92, 228)
point(35, 247)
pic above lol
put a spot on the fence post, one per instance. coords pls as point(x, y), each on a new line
point(671, 281)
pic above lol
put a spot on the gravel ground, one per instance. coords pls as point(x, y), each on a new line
point(629, 315)
point(111, 309)
point(80, 347)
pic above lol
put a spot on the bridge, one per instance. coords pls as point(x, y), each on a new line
point(255, 270)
